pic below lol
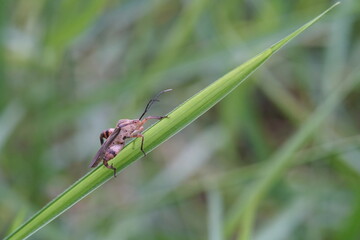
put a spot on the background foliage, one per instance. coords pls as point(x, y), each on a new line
point(70, 69)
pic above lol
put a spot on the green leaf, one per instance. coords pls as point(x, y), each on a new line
point(154, 136)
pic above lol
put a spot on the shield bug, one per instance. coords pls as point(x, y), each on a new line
point(115, 137)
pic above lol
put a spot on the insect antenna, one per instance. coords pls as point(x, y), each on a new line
point(154, 99)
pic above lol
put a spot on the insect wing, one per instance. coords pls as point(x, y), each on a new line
point(100, 154)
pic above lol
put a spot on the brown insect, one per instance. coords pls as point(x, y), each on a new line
point(125, 128)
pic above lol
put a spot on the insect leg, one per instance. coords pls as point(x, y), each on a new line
point(105, 162)
point(152, 117)
point(155, 117)
point(142, 141)
point(105, 134)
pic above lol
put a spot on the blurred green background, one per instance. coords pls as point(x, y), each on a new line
point(70, 69)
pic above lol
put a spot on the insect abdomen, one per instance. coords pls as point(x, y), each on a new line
point(113, 151)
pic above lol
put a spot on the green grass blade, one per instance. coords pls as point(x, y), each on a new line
point(158, 133)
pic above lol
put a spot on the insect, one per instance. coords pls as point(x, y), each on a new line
point(125, 128)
